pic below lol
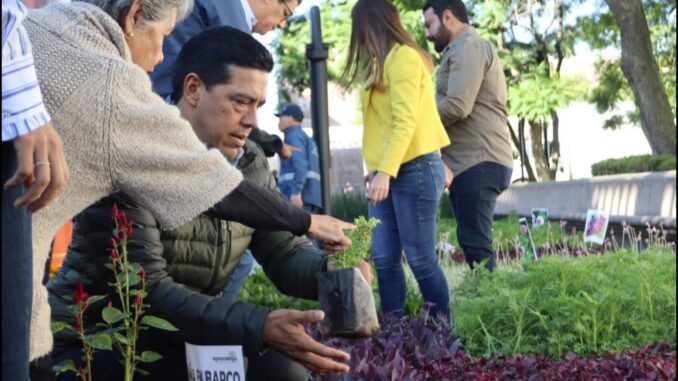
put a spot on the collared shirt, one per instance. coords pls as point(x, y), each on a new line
point(22, 107)
point(235, 161)
point(471, 95)
point(249, 14)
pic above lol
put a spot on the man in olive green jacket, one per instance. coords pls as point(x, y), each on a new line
point(187, 268)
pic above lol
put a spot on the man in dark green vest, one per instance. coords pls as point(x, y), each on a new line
point(219, 83)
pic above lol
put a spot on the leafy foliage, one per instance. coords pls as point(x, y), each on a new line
point(538, 96)
point(291, 46)
point(612, 88)
point(634, 164)
point(505, 232)
point(121, 325)
point(420, 349)
point(600, 31)
point(361, 237)
point(348, 206)
point(259, 289)
point(559, 304)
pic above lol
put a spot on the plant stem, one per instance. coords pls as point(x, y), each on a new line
point(87, 350)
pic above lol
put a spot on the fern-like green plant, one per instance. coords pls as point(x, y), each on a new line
point(361, 237)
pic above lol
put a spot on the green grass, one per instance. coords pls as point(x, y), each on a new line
point(259, 289)
point(611, 302)
point(505, 230)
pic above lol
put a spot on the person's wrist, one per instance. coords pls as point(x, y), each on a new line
point(264, 345)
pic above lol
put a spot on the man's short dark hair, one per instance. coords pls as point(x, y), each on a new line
point(210, 54)
point(457, 8)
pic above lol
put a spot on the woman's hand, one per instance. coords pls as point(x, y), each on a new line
point(42, 168)
point(378, 187)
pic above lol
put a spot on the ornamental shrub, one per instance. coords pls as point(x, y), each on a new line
point(634, 164)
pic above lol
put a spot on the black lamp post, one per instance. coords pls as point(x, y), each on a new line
point(317, 53)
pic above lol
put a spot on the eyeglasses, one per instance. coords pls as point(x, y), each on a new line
point(288, 10)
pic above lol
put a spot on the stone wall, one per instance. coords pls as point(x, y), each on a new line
point(634, 198)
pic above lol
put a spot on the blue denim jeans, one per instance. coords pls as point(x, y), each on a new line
point(408, 223)
point(237, 278)
point(473, 195)
point(17, 276)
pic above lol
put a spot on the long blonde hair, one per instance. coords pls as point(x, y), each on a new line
point(376, 28)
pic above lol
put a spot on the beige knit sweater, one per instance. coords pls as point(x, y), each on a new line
point(117, 134)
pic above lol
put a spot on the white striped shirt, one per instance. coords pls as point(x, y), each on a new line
point(22, 107)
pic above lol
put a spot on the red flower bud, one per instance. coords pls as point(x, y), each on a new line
point(115, 210)
point(121, 233)
point(110, 304)
point(129, 229)
point(122, 219)
point(80, 294)
point(114, 243)
point(138, 299)
point(114, 254)
point(142, 272)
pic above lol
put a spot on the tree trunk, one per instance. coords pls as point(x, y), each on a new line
point(555, 147)
point(516, 142)
point(641, 70)
point(528, 165)
point(538, 150)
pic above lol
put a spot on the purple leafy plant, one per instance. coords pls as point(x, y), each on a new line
point(423, 349)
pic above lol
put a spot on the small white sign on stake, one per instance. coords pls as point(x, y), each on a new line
point(596, 226)
point(215, 363)
point(539, 217)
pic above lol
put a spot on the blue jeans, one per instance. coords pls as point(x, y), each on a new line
point(408, 223)
point(17, 276)
point(237, 278)
point(473, 195)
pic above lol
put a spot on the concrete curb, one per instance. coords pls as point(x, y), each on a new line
point(634, 198)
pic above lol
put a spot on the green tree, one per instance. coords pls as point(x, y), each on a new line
point(646, 73)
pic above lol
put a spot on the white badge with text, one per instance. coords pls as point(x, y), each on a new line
point(215, 363)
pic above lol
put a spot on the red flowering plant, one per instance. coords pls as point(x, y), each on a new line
point(122, 322)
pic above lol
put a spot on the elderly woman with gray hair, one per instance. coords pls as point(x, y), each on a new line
point(92, 61)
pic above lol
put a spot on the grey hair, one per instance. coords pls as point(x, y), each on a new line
point(151, 10)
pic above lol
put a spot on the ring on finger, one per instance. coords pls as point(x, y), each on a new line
point(39, 163)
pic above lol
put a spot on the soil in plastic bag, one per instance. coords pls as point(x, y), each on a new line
point(348, 303)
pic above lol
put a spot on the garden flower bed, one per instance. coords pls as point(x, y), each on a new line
point(416, 349)
point(575, 314)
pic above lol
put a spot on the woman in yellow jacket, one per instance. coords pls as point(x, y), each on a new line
point(401, 146)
